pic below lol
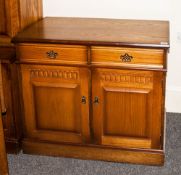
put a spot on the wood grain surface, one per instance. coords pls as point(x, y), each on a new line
point(2, 17)
point(98, 32)
point(94, 152)
point(64, 53)
point(21, 13)
point(3, 157)
point(30, 12)
point(139, 57)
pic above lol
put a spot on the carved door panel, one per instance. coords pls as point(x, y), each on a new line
point(56, 103)
point(127, 108)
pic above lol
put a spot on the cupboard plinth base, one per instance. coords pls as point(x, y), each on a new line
point(147, 157)
point(13, 146)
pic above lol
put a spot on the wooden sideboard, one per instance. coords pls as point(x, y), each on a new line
point(15, 15)
point(94, 88)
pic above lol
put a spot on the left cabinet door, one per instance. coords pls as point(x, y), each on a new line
point(56, 103)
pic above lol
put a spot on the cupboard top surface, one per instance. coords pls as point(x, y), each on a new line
point(93, 31)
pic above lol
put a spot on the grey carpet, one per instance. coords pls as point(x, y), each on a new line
point(42, 165)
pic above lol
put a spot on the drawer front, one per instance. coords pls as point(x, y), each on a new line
point(116, 56)
point(60, 54)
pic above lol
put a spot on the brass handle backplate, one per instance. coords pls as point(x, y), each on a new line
point(52, 54)
point(96, 100)
point(126, 57)
point(83, 100)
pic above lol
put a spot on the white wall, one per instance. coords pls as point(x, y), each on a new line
point(134, 9)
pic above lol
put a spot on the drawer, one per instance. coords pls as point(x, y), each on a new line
point(42, 53)
point(133, 57)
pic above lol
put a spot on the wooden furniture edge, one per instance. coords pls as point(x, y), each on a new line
point(89, 43)
point(5, 39)
point(7, 52)
point(92, 66)
point(28, 39)
point(94, 153)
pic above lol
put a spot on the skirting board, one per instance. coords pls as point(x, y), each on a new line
point(94, 153)
point(173, 99)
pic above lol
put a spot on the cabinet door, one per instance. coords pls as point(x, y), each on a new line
point(127, 108)
point(10, 104)
point(3, 157)
point(56, 103)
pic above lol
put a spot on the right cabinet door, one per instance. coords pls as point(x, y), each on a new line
point(127, 108)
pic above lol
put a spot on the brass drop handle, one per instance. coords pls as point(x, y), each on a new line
point(52, 54)
point(96, 100)
point(126, 57)
point(83, 100)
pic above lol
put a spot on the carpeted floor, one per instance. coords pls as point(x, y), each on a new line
point(42, 165)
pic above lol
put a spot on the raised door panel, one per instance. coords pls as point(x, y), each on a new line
point(127, 108)
point(52, 103)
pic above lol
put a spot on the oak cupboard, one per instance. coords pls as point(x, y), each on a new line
point(15, 15)
point(94, 88)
